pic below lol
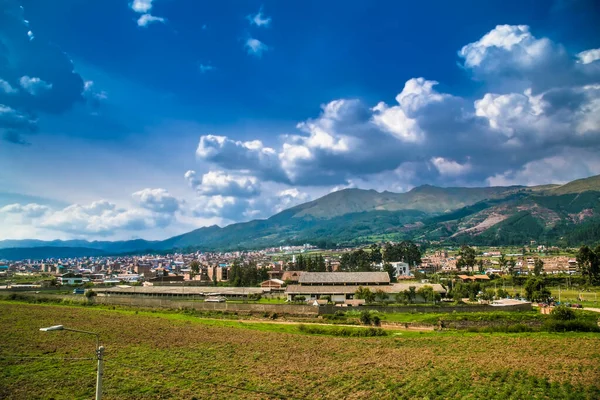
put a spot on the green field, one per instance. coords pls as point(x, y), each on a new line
point(170, 355)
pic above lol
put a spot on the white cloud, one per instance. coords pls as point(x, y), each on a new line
point(157, 200)
point(31, 210)
point(6, 87)
point(564, 167)
point(449, 167)
point(510, 56)
point(255, 47)
point(588, 56)
point(102, 218)
point(399, 120)
point(147, 19)
point(34, 86)
point(227, 207)
point(259, 19)
point(141, 6)
point(290, 198)
point(224, 184)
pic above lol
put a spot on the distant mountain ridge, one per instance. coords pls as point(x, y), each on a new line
point(515, 215)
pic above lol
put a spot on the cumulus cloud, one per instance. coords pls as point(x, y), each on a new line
point(157, 200)
point(141, 6)
point(227, 207)
point(6, 87)
point(255, 47)
point(511, 56)
point(259, 19)
point(589, 56)
point(103, 218)
point(560, 168)
point(449, 167)
point(28, 211)
point(147, 19)
point(34, 86)
point(290, 198)
point(222, 183)
point(436, 137)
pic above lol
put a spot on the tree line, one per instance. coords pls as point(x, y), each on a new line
point(362, 260)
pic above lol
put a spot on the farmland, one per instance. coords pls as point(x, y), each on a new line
point(168, 355)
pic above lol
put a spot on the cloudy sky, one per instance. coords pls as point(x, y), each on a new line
point(148, 118)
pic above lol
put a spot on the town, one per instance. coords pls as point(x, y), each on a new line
point(300, 273)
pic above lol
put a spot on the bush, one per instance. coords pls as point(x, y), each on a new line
point(376, 320)
point(562, 313)
point(576, 325)
point(365, 318)
point(342, 331)
point(90, 293)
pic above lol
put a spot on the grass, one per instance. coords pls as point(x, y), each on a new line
point(152, 355)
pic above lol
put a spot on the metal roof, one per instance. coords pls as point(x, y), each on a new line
point(341, 289)
point(333, 278)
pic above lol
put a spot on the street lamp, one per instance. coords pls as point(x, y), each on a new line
point(99, 354)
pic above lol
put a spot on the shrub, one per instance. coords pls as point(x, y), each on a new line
point(341, 331)
point(90, 293)
point(365, 318)
point(376, 320)
point(562, 313)
point(575, 325)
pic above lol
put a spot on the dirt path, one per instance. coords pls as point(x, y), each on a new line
point(592, 309)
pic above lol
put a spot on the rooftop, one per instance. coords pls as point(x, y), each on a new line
point(342, 278)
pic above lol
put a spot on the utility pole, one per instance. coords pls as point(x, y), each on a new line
point(99, 354)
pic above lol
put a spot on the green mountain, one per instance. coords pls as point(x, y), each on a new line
point(555, 214)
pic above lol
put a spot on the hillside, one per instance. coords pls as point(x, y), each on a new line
point(566, 214)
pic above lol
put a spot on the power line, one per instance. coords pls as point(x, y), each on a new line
point(46, 358)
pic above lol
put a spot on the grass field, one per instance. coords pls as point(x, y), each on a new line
point(169, 355)
point(591, 297)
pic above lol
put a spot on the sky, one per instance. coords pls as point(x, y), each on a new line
point(149, 118)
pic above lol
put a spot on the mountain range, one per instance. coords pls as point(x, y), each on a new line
point(566, 214)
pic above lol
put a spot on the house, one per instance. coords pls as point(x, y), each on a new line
point(473, 278)
point(401, 269)
point(70, 278)
point(273, 284)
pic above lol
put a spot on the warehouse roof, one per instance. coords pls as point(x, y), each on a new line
point(344, 278)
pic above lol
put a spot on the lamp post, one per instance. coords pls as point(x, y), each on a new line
point(99, 354)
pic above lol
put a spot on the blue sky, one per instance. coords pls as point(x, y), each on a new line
point(149, 118)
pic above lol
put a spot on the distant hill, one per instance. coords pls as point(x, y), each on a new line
point(553, 214)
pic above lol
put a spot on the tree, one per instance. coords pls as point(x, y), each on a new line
point(588, 262)
point(376, 256)
point(535, 290)
point(389, 268)
point(429, 294)
point(466, 256)
point(512, 266)
point(235, 275)
point(503, 262)
point(194, 268)
point(380, 295)
point(538, 267)
point(364, 294)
